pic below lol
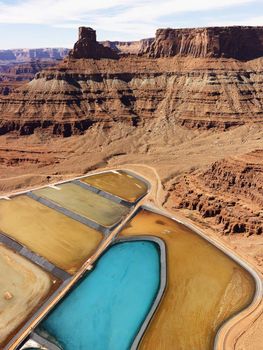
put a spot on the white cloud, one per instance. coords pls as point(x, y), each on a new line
point(65, 11)
point(134, 17)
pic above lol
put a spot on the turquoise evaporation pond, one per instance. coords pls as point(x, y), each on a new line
point(106, 310)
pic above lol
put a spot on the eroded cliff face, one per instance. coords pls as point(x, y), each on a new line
point(13, 75)
point(88, 47)
point(96, 85)
point(229, 193)
point(241, 43)
point(199, 93)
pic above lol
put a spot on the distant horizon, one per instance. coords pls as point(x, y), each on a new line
point(40, 24)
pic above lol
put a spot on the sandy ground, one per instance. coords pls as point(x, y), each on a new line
point(23, 285)
point(251, 338)
point(26, 162)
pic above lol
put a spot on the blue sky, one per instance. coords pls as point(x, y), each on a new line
point(54, 23)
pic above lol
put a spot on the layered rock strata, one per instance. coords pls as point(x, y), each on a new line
point(229, 193)
point(199, 93)
point(13, 75)
point(241, 43)
point(88, 47)
point(96, 85)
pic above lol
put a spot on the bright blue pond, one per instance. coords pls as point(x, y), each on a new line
point(105, 311)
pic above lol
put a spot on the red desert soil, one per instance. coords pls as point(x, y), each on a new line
point(190, 122)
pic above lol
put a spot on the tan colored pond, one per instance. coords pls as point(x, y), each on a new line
point(61, 240)
point(23, 286)
point(86, 203)
point(205, 287)
point(118, 183)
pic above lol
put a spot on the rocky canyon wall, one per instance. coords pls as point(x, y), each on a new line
point(229, 193)
point(97, 85)
point(87, 46)
point(199, 93)
point(241, 43)
point(14, 74)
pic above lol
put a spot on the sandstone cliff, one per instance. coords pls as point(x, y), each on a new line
point(241, 43)
point(13, 75)
point(87, 46)
point(229, 193)
point(96, 85)
point(199, 93)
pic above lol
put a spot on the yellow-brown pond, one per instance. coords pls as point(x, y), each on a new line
point(86, 203)
point(61, 240)
point(204, 286)
point(23, 285)
point(118, 183)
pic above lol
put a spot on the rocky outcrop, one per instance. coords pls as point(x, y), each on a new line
point(25, 55)
point(13, 75)
point(229, 193)
point(17, 71)
point(129, 47)
point(241, 43)
point(88, 47)
point(241, 177)
point(200, 93)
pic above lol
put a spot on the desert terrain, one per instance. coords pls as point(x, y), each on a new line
point(188, 119)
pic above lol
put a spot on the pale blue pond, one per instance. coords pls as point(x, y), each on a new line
point(106, 310)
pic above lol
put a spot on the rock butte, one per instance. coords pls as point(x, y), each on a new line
point(88, 47)
point(198, 78)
